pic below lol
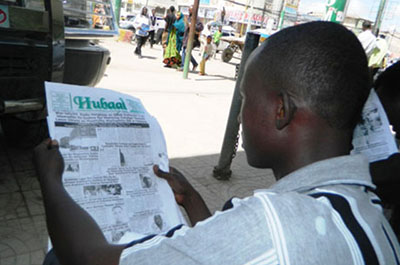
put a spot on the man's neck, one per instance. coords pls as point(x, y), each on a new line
point(312, 148)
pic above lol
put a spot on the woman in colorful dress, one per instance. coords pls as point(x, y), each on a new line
point(172, 57)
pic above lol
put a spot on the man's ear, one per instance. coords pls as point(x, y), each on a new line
point(285, 111)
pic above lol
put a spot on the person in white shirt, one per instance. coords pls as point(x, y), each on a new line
point(153, 20)
point(367, 38)
point(142, 26)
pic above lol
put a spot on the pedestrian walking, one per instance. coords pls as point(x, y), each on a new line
point(172, 58)
point(169, 22)
point(142, 25)
point(217, 38)
point(367, 38)
point(179, 25)
point(153, 20)
point(196, 42)
point(206, 55)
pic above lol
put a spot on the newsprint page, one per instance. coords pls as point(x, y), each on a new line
point(110, 144)
point(372, 136)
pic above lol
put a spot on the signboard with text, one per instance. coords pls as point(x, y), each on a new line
point(335, 10)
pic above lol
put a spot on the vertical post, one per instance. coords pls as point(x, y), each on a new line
point(244, 16)
point(248, 28)
point(189, 45)
point(379, 17)
point(117, 10)
point(282, 15)
point(57, 51)
point(222, 171)
point(263, 14)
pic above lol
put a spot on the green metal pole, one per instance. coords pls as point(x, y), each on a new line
point(379, 17)
point(189, 45)
point(282, 16)
point(335, 11)
point(117, 10)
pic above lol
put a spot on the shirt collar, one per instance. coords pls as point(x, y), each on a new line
point(352, 169)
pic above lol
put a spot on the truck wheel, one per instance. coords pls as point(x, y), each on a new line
point(227, 55)
point(23, 134)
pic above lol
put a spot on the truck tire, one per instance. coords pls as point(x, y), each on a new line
point(24, 134)
point(227, 55)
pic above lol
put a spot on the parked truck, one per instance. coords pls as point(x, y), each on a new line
point(47, 40)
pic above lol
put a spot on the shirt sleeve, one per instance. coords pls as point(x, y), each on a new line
point(236, 236)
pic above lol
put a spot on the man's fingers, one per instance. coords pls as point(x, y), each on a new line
point(43, 145)
point(160, 173)
point(53, 144)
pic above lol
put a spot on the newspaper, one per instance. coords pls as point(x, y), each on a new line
point(373, 137)
point(109, 144)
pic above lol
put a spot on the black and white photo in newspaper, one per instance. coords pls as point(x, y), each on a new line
point(372, 136)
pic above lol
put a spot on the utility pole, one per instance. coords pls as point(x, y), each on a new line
point(379, 17)
point(117, 10)
point(263, 14)
point(189, 45)
point(228, 151)
point(282, 15)
point(250, 16)
point(244, 16)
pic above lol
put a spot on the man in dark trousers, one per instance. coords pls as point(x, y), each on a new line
point(153, 20)
point(196, 41)
point(303, 93)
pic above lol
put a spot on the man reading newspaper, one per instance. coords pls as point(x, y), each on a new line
point(303, 93)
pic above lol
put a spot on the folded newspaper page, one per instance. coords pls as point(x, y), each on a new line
point(109, 144)
point(373, 137)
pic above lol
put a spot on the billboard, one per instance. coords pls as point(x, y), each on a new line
point(335, 10)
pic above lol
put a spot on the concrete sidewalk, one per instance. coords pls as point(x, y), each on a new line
point(193, 116)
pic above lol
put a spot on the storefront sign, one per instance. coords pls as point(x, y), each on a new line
point(4, 17)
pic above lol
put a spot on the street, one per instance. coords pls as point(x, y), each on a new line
point(193, 112)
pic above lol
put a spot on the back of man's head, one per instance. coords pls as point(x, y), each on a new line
point(387, 83)
point(323, 65)
point(387, 87)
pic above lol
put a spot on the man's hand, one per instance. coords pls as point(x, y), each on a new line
point(178, 183)
point(76, 237)
point(48, 160)
point(185, 194)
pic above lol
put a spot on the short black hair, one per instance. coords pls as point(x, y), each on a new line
point(324, 65)
point(366, 25)
point(387, 83)
point(172, 9)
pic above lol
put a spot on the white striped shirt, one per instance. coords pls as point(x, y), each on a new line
point(324, 213)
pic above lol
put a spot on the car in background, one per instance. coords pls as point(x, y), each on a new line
point(227, 31)
point(128, 23)
point(212, 27)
